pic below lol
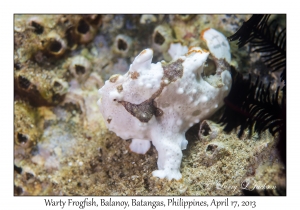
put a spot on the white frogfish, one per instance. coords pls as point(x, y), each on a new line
point(159, 102)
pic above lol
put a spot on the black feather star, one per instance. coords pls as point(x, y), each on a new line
point(267, 39)
point(251, 105)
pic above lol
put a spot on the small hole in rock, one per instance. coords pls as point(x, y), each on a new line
point(22, 138)
point(146, 184)
point(17, 66)
point(18, 190)
point(38, 29)
point(55, 46)
point(211, 148)
point(83, 27)
point(79, 69)
point(205, 132)
point(29, 176)
point(24, 82)
point(57, 98)
point(70, 107)
point(70, 37)
point(57, 86)
point(159, 39)
point(108, 145)
point(18, 169)
point(122, 45)
point(204, 128)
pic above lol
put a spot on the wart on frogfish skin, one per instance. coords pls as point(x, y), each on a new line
point(134, 75)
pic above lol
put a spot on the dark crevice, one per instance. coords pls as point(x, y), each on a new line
point(38, 29)
point(159, 39)
point(210, 68)
point(211, 148)
point(29, 175)
point(79, 69)
point(17, 66)
point(70, 37)
point(23, 82)
point(22, 138)
point(204, 128)
point(17, 190)
point(56, 98)
point(54, 46)
point(83, 27)
point(17, 169)
point(57, 86)
point(122, 45)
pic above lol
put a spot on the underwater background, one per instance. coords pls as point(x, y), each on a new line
point(61, 144)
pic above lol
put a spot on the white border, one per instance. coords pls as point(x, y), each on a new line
point(8, 8)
